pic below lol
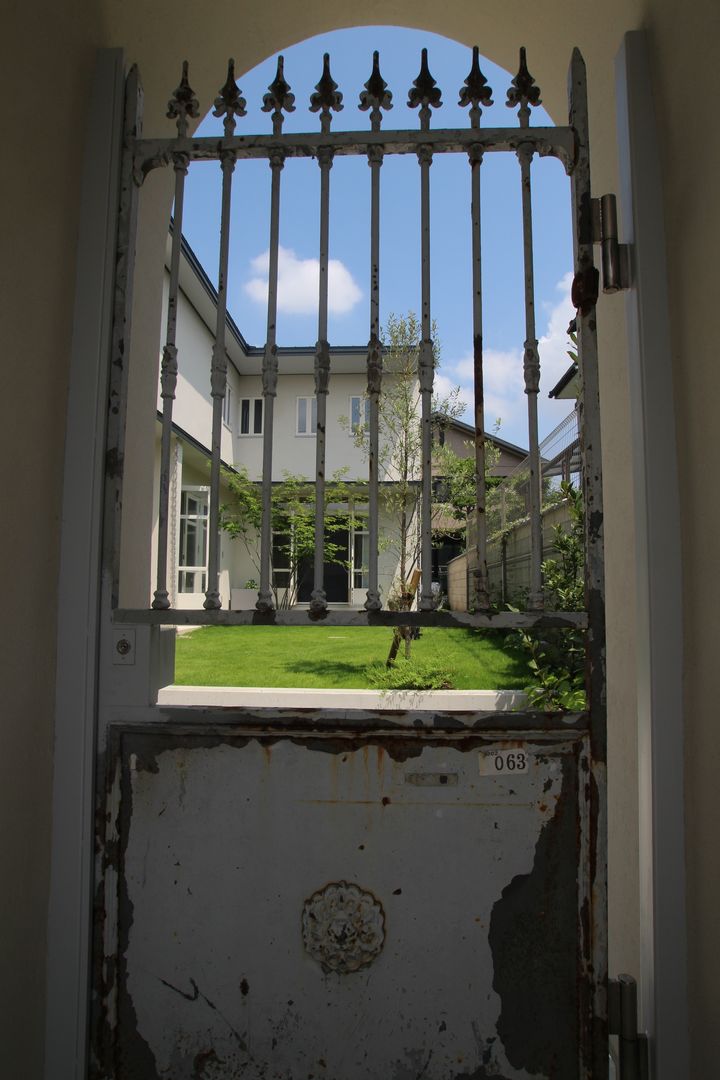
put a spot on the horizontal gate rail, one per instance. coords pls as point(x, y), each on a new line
point(503, 620)
point(559, 142)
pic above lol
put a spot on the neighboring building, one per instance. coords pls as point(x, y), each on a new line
point(460, 437)
point(504, 457)
point(566, 388)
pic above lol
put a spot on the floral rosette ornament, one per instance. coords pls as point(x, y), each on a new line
point(343, 927)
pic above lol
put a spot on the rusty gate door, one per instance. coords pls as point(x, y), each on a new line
point(390, 894)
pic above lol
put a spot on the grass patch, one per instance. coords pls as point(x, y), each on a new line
point(326, 657)
point(410, 675)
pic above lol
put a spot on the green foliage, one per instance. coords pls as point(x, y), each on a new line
point(506, 502)
point(410, 675)
point(293, 523)
point(557, 657)
point(459, 479)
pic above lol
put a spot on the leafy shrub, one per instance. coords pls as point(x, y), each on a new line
point(410, 675)
point(557, 656)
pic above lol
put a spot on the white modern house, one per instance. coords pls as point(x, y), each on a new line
point(294, 436)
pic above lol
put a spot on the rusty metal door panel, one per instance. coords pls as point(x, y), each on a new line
point(351, 907)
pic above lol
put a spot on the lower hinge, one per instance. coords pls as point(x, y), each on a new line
point(633, 1057)
point(615, 256)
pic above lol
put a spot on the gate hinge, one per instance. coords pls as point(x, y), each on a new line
point(615, 261)
point(633, 1059)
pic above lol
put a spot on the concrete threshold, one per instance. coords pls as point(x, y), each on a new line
point(233, 697)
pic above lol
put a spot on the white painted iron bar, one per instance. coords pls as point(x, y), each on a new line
point(481, 594)
point(218, 386)
point(531, 372)
point(168, 383)
point(318, 603)
point(374, 384)
point(585, 290)
point(265, 601)
point(426, 364)
point(557, 142)
point(374, 98)
point(121, 338)
point(425, 95)
point(584, 294)
point(504, 620)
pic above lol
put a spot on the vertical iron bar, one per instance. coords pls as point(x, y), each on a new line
point(168, 383)
point(481, 595)
point(595, 949)
point(269, 377)
point(425, 95)
point(318, 602)
point(218, 384)
point(426, 366)
point(531, 371)
point(120, 348)
point(374, 381)
point(375, 97)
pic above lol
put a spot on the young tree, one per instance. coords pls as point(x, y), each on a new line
point(400, 454)
point(293, 523)
point(457, 488)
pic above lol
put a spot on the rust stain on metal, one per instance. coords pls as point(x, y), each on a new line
point(113, 464)
point(536, 916)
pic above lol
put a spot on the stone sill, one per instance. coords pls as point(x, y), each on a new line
point(375, 700)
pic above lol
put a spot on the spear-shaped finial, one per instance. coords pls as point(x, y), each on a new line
point(326, 97)
point(376, 95)
point(475, 90)
point(523, 92)
point(230, 102)
point(279, 98)
point(425, 92)
point(183, 104)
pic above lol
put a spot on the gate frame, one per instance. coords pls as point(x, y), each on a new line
point(78, 620)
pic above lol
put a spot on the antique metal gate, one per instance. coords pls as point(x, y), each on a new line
point(357, 895)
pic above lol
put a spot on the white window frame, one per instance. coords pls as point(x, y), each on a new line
point(227, 407)
point(359, 527)
point(311, 407)
point(252, 406)
point(354, 428)
point(182, 568)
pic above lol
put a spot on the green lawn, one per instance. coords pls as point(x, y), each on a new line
point(335, 657)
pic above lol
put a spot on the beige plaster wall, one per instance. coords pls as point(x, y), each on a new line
point(39, 195)
point(684, 41)
point(47, 68)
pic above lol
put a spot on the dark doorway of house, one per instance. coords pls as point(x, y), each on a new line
point(335, 573)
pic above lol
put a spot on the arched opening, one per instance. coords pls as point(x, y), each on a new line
point(451, 277)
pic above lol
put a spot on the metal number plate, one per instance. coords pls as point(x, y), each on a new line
point(504, 762)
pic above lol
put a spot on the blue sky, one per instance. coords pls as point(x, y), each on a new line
point(504, 330)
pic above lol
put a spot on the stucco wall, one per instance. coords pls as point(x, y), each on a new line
point(47, 69)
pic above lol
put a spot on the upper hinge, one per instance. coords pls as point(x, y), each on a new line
point(615, 260)
point(633, 1057)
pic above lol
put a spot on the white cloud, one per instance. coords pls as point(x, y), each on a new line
point(298, 284)
point(503, 375)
